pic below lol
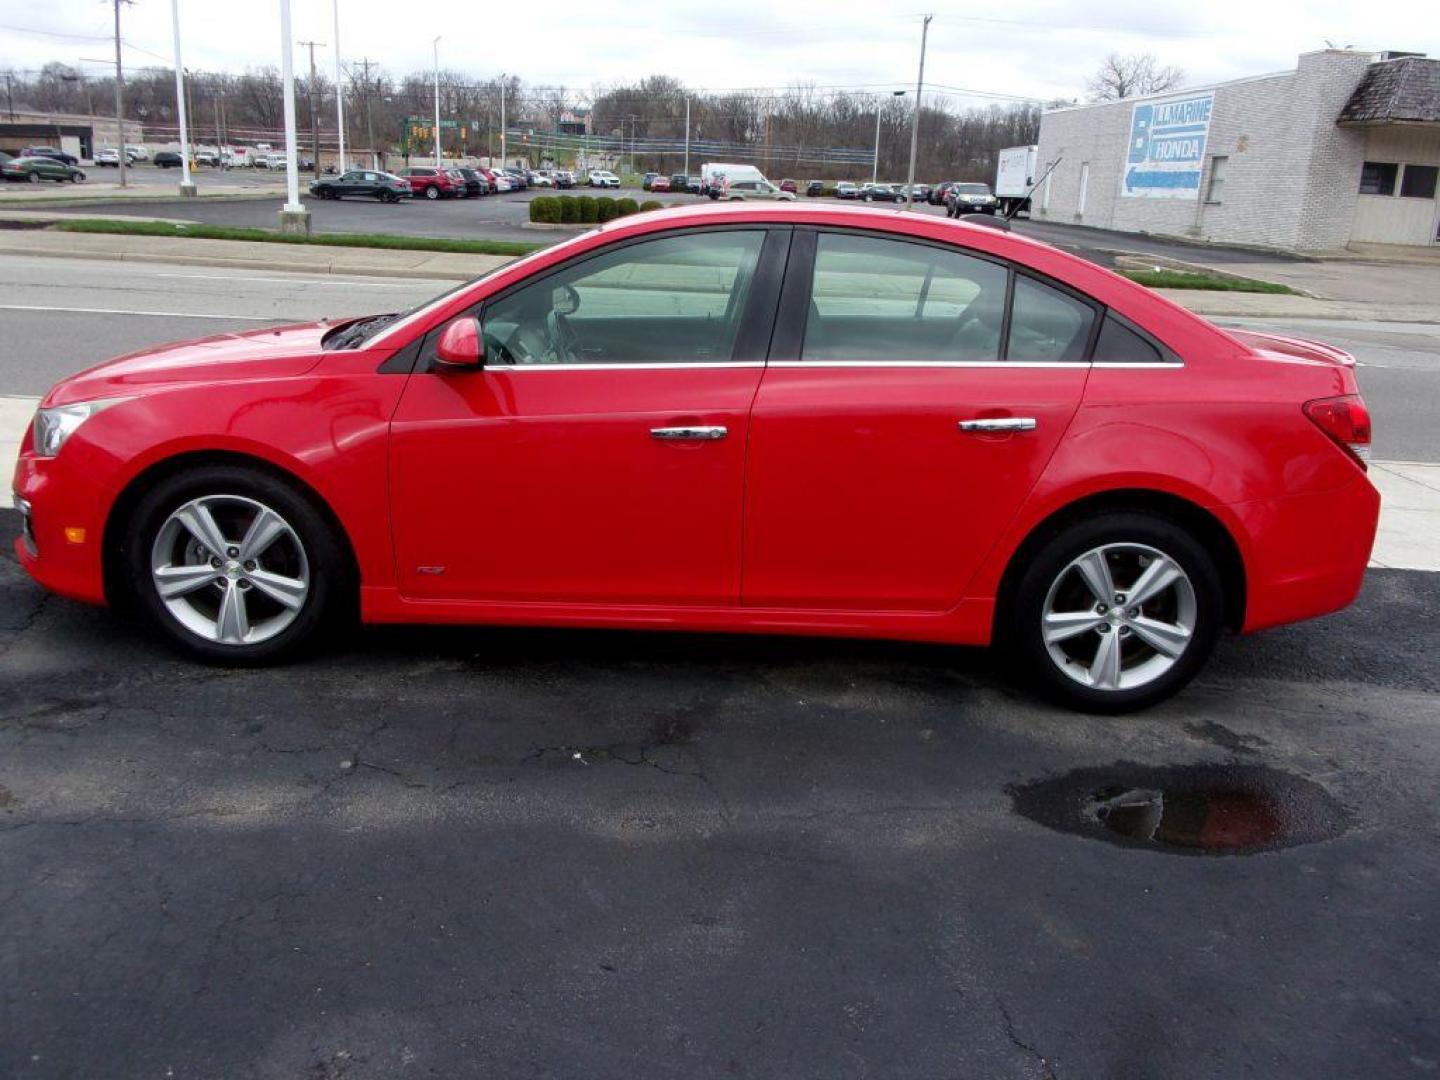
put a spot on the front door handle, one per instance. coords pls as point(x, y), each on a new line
point(999, 423)
point(705, 433)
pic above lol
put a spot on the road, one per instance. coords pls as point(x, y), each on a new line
point(519, 853)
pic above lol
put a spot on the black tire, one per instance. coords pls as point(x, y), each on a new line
point(332, 590)
point(1019, 626)
point(32, 177)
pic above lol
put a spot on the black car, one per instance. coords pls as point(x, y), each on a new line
point(475, 184)
point(877, 193)
point(168, 159)
point(645, 183)
point(679, 182)
point(51, 153)
point(374, 185)
point(814, 189)
point(694, 187)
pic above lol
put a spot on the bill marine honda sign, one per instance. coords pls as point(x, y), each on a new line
point(1167, 148)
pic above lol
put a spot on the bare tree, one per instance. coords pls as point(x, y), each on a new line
point(1132, 75)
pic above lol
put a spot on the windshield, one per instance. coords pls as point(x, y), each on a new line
point(973, 189)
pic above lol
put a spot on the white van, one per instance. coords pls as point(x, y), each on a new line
point(715, 174)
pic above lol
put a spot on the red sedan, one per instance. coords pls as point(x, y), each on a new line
point(767, 418)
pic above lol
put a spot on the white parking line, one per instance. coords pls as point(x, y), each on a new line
point(1409, 536)
point(128, 311)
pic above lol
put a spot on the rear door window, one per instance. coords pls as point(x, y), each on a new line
point(1047, 325)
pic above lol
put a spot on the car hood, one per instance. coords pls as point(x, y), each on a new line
point(274, 353)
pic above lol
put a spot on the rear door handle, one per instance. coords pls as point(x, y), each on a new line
point(1000, 423)
point(706, 433)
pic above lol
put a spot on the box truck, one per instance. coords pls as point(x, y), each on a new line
point(1014, 177)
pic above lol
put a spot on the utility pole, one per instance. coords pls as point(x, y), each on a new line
point(502, 120)
point(436, 45)
point(687, 139)
point(120, 93)
point(915, 125)
point(314, 113)
point(10, 94)
point(339, 92)
point(366, 63)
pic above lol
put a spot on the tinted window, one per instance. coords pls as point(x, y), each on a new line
point(1419, 181)
point(1047, 325)
point(677, 299)
point(886, 300)
point(1118, 344)
point(1377, 178)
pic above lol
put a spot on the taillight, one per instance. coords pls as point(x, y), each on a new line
point(1346, 421)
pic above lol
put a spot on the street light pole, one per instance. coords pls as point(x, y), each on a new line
point(502, 120)
point(339, 92)
point(187, 186)
point(915, 125)
point(294, 218)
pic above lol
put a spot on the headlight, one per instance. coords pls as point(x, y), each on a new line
point(54, 426)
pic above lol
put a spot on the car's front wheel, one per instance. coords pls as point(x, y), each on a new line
point(234, 564)
point(432, 193)
point(1116, 613)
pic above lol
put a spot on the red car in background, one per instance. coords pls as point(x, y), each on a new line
point(790, 186)
point(429, 182)
point(782, 419)
point(660, 183)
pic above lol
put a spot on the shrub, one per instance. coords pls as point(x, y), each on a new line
point(607, 209)
point(589, 212)
point(650, 204)
point(569, 209)
point(545, 209)
point(626, 207)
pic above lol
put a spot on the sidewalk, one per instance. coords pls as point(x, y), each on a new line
point(300, 258)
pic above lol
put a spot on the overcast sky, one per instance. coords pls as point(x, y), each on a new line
point(1043, 49)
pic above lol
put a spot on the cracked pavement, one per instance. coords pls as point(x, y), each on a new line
point(443, 852)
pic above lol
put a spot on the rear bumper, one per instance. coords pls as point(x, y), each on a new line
point(1307, 552)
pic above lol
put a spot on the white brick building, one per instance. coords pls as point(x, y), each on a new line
point(1344, 149)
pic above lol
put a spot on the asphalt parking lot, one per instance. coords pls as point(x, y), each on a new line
point(465, 853)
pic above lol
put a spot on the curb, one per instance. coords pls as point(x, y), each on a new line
point(1138, 260)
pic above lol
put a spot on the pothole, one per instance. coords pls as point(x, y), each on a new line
point(1185, 809)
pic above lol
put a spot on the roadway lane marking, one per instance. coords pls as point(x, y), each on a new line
point(1409, 537)
point(154, 314)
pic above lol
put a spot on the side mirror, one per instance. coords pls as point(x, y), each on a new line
point(460, 345)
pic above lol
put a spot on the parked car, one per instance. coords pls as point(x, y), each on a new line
point(564, 178)
point(137, 152)
point(207, 157)
point(603, 178)
point(877, 193)
point(846, 190)
point(679, 182)
point(50, 152)
point(660, 183)
point(1051, 457)
point(491, 179)
point(693, 186)
point(646, 180)
point(168, 159)
point(964, 199)
point(746, 190)
point(814, 189)
point(939, 191)
point(463, 189)
point(922, 192)
point(429, 182)
point(475, 184)
point(366, 182)
point(519, 179)
point(542, 179)
point(109, 157)
point(34, 169)
point(790, 186)
point(503, 181)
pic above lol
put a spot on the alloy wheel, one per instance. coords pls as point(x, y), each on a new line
point(230, 569)
point(1119, 616)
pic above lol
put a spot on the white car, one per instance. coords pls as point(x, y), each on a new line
point(207, 157)
point(603, 178)
point(137, 153)
point(541, 180)
point(108, 156)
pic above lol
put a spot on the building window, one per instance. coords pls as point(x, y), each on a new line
point(1378, 178)
point(1218, 164)
point(1419, 181)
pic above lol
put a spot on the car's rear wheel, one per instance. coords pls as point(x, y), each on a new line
point(32, 177)
point(1116, 613)
point(234, 564)
point(432, 192)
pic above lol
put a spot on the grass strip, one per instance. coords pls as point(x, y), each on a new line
point(270, 236)
point(1180, 279)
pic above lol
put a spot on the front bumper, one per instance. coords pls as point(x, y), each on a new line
point(62, 525)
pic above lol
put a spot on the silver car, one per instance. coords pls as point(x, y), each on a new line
point(744, 190)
